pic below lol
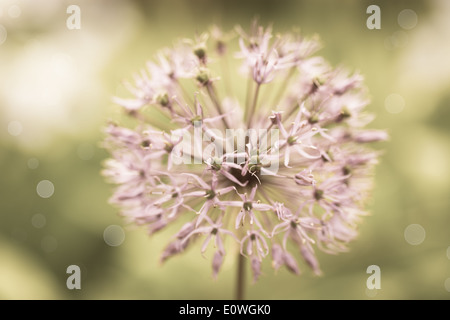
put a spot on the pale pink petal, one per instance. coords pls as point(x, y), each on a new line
point(256, 268)
point(195, 194)
point(206, 242)
point(219, 244)
point(202, 183)
point(233, 178)
point(225, 190)
point(303, 153)
point(231, 203)
point(186, 229)
point(203, 211)
point(217, 263)
point(310, 258)
point(290, 263)
point(287, 153)
point(130, 104)
point(277, 256)
point(262, 206)
point(239, 219)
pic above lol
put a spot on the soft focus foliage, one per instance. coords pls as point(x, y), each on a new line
point(57, 83)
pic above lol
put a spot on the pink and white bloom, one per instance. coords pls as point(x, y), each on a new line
point(306, 186)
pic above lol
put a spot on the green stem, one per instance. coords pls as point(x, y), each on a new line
point(283, 87)
point(227, 77)
point(185, 94)
point(240, 277)
point(247, 95)
point(253, 107)
point(215, 101)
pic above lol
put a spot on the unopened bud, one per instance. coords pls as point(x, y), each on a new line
point(202, 78)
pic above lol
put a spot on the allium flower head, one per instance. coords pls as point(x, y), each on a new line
point(285, 162)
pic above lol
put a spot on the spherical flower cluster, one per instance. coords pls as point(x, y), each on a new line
point(277, 164)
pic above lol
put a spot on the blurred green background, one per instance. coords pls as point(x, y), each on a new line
point(55, 89)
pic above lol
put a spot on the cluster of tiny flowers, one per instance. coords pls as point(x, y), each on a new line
point(303, 191)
